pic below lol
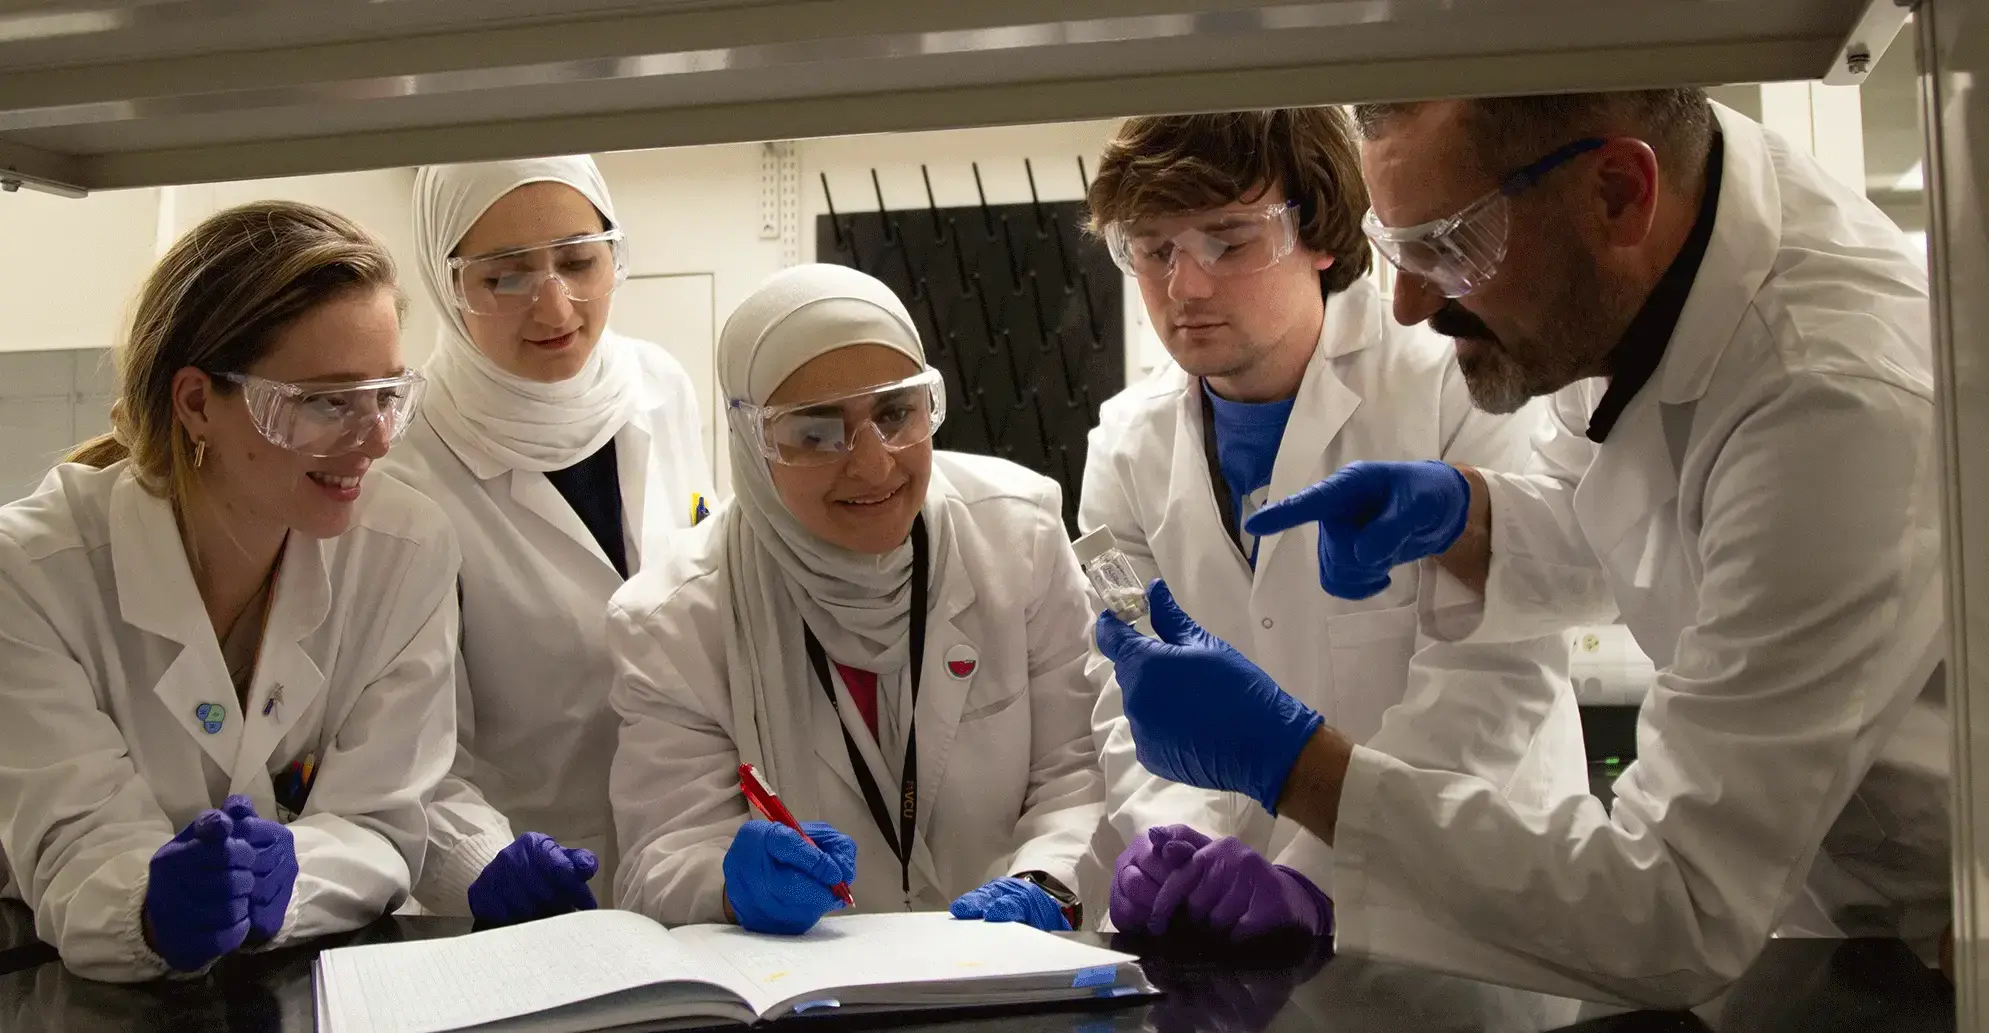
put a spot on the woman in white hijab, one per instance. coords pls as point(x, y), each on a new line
point(893, 636)
point(565, 454)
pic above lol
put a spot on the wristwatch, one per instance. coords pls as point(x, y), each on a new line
point(1072, 908)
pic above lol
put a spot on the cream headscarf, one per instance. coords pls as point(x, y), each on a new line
point(778, 573)
point(496, 421)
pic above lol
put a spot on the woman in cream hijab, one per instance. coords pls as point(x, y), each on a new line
point(565, 455)
point(893, 636)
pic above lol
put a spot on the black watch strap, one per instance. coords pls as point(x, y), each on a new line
point(1073, 909)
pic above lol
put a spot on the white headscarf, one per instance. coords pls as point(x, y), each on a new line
point(494, 420)
point(778, 573)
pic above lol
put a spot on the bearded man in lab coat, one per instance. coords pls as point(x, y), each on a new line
point(1739, 463)
point(1242, 230)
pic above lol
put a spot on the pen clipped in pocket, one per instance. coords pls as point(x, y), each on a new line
point(292, 786)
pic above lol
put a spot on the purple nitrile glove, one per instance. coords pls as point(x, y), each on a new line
point(533, 878)
point(197, 893)
point(275, 866)
point(1234, 891)
point(1143, 867)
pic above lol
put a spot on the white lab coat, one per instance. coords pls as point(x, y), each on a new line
point(1766, 519)
point(1008, 779)
point(536, 734)
point(108, 653)
point(1373, 390)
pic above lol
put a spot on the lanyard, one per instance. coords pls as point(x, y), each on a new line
point(900, 837)
point(1224, 507)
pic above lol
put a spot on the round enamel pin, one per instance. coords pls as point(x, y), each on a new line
point(961, 661)
point(210, 716)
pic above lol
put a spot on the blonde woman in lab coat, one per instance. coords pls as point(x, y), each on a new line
point(228, 653)
point(870, 621)
point(565, 454)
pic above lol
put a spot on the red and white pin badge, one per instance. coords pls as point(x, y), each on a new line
point(961, 661)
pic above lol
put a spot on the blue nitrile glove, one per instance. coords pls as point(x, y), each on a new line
point(1200, 713)
point(275, 866)
point(1373, 516)
point(777, 882)
point(1009, 899)
point(533, 878)
point(197, 895)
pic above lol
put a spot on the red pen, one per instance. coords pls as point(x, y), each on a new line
point(761, 796)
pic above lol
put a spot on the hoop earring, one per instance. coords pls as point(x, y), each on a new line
point(199, 453)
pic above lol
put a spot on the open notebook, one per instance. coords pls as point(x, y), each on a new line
point(596, 970)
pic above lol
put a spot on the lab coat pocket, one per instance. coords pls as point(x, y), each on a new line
point(1368, 653)
point(977, 710)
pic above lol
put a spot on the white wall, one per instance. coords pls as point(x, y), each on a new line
point(72, 266)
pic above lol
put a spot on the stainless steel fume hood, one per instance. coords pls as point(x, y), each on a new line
point(124, 93)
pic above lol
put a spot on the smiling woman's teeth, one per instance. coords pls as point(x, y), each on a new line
point(330, 481)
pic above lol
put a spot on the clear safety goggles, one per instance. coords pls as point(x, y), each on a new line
point(325, 420)
point(1224, 242)
point(819, 433)
point(1457, 254)
point(502, 283)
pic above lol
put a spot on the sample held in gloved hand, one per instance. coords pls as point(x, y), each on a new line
point(1200, 712)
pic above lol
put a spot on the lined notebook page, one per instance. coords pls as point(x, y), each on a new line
point(888, 950)
point(428, 986)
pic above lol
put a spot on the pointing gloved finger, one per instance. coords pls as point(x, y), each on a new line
point(239, 807)
point(1385, 539)
point(1335, 498)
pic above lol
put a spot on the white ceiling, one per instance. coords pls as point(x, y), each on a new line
point(145, 92)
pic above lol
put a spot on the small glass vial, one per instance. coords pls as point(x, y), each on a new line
point(1111, 573)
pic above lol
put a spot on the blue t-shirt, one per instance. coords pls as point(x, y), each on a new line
point(1247, 436)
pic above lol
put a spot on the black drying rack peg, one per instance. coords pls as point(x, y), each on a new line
point(836, 227)
point(1035, 202)
point(883, 213)
point(835, 224)
point(932, 207)
point(987, 217)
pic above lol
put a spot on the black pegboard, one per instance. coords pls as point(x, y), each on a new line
point(1020, 310)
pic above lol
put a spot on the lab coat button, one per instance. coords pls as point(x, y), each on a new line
point(1268, 623)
